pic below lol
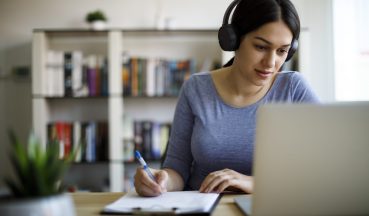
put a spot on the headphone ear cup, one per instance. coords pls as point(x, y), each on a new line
point(228, 38)
point(292, 50)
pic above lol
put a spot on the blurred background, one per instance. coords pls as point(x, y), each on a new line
point(333, 53)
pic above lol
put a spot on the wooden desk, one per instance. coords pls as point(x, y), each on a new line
point(88, 204)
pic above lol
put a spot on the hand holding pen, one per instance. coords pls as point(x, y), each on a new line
point(144, 165)
point(149, 182)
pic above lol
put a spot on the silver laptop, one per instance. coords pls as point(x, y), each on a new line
point(311, 159)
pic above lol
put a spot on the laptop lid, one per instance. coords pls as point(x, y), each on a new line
point(312, 159)
point(244, 204)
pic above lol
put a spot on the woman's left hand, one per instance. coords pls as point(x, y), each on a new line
point(219, 181)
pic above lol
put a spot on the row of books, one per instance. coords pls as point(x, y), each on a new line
point(89, 139)
point(72, 74)
point(150, 138)
point(155, 77)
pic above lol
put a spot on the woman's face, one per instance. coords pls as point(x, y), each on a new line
point(262, 52)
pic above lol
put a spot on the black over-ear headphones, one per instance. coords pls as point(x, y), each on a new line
point(229, 39)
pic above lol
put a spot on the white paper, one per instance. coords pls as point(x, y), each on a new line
point(182, 201)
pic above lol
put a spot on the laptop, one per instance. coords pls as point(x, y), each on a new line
point(310, 159)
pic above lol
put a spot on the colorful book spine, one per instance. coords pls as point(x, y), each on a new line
point(150, 138)
point(155, 77)
point(89, 139)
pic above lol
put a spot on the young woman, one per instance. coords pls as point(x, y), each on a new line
point(212, 139)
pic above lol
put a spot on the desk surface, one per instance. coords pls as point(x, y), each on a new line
point(88, 204)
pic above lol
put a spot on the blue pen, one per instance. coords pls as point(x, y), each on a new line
point(144, 165)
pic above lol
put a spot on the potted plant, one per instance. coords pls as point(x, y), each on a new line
point(97, 20)
point(36, 188)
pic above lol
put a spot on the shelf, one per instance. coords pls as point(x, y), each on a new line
point(66, 33)
point(107, 162)
point(131, 30)
point(151, 97)
point(104, 97)
point(74, 98)
point(147, 161)
point(200, 45)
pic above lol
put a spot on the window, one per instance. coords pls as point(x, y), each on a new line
point(351, 49)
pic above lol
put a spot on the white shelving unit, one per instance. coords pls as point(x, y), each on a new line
point(201, 45)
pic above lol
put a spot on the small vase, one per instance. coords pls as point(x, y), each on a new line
point(98, 25)
point(55, 205)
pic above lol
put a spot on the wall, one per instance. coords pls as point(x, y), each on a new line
point(18, 18)
point(15, 100)
point(316, 17)
point(4, 168)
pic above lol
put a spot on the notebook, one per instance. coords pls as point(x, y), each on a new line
point(311, 159)
point(180, 202)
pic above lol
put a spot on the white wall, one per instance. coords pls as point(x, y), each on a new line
point(18, 18)
point(15, 99)
point(316, 17)
point(15, 103)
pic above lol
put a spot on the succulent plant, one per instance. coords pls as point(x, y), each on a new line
point(38, 172)
point(95, 16)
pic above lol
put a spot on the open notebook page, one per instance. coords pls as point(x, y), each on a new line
point(180, 201)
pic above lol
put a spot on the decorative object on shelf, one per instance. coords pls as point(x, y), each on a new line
point(36, 189)
point(97, 20)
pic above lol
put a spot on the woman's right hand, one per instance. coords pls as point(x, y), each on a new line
point(145, 186)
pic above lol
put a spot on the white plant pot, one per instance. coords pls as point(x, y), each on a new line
point(98, 25)
point(57, 205)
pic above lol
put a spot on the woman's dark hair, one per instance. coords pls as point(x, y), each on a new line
point(249, 15)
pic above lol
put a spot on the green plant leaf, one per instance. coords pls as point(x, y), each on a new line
point(21, 173)
point(95, 16)
point(38, 171)
point(19, 150)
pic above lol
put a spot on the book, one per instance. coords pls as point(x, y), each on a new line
point(126, 76)
point(92, 75)
point(156, 140)
point(77, 73)
point(138, 139)
point(50, 74)
point(104, 77)
point(150, 78)
point(67, 139)
point(102, 140)
point(60, 137)
point(164, 138)
point(68, 67)
point(147, 139)
point(91, 142)
point(55, 73)
point(77, 141)
point(178, 202)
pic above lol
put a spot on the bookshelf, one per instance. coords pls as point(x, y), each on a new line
point(51, 105)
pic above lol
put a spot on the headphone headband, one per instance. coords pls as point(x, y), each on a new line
point(229, 10)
